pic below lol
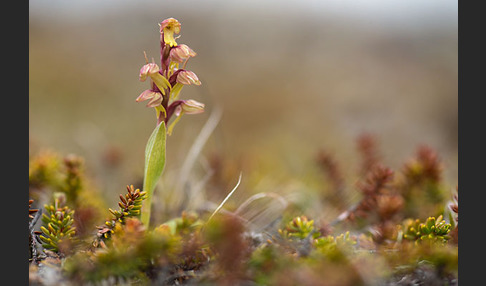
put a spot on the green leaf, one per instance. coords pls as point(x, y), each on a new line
point(430, 222)
point(160, 81)
point(154, 165)
point(176, 89)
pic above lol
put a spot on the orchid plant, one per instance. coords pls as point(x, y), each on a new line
point(166, 83)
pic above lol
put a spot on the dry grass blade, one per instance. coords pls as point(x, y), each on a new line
point(194, 152)
point(226, 199)
point(262, 210)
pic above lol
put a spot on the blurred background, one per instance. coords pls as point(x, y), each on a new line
point(291, 78)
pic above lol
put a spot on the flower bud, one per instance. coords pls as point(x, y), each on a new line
point(168, 28)
point(148, 69)
point(191, 106)
point(181, 53)
point(187, 77)
point(155, 98)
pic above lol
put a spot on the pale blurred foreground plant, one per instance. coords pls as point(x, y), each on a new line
point(166, 83)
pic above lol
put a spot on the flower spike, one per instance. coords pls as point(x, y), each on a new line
point(168, 79)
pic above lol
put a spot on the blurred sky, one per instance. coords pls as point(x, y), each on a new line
point(384, 11)
point(291, 76)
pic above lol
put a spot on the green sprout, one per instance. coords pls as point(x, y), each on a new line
point(300, 227)
point(57, 225)
point(433, 229)
point(329, 243)
point(130, 206)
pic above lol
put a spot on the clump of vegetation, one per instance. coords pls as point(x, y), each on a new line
point(431, 229)
point(130, 206)
point(392, 227)
point(57, 228)
point(300, 227)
